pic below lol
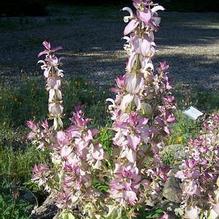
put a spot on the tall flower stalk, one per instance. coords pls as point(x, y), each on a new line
point(53, 74)
point(142, 112)
point(75, 154)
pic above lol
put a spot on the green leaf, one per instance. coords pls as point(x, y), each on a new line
point(67, 215)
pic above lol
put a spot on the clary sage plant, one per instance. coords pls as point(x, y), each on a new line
point(199, 173)
point(142, 113)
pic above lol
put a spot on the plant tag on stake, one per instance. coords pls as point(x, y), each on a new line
point(192, 113)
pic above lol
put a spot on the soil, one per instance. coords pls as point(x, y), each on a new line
point(93, 48)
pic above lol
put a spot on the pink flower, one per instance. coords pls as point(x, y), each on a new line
point(95, 155)
point(164, 216)
point(164, 66)
point(131, 26)
point(191, 188)
point(34, 129)
point(53, 83)
point(190, 163)
point(133, 141)
point(129, 153)
point(66, 151)
point(125, 185)
point(40, 174)
point(98, 153)
point(120, 81)
point(141, 112)
point(79, 120)
point(72, 166)
point(130, 197)
point(31, 125)
point(45, 125)
point(62, 138)
point(64, 200)
point(48, 49)
point(144, 16)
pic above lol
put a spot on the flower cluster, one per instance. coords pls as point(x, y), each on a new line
point(142, 111)
point(75, 154)
point(140, 28)
point(78, 155)
point(125, 184)
point(40, 134)
point(199, 172)
point(53, 75)
point(142, 114)
point(41, 174)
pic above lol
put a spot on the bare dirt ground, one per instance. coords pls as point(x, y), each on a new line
point(92, 44)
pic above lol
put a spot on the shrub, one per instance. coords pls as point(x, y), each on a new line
point(199, 173)
point(140, 124)
point(118, 170)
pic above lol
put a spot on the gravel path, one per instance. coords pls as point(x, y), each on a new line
point(93, 49)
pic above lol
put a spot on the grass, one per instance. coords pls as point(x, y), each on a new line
point(183, 129)
point(13, 208)
point(205, 100)
point(15, 174)
point(28, 100)
point(15, 165)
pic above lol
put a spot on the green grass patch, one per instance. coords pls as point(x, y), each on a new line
point(29, 101)
point(205, 100)
point(16, 199)
point(16, 165)
point(183, 129)
point(11, 208)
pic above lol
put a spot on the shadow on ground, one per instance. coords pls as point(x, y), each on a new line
point(93, 46)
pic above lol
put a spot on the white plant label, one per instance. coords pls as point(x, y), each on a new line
point(192, 113)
